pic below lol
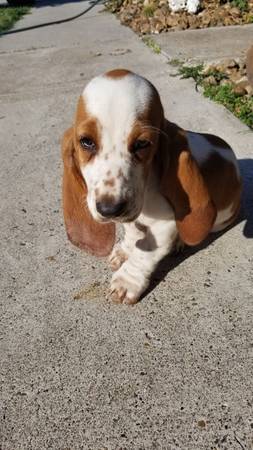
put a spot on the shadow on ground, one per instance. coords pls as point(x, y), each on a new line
point(44, 3)
point(170, 262)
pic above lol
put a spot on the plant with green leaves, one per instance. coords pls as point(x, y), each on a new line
point(10, 15)
point(240, 106)
point(243, 5)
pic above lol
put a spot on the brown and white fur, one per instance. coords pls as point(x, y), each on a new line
point(124, 162)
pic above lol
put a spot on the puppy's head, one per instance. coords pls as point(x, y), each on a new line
point(116, 135)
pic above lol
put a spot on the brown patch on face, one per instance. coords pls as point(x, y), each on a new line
point(148, 127)
point(121, 175)
point(117, 73)
point(85, 126)
point(110, 182)
point(108, 172)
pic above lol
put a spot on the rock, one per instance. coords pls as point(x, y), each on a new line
point(243, 83)
point(193, 22)
point(160, 16)
point(172, 20)
point(178, 14)
point(230, 63)
point(190, 6)
point(235, 76)
point(156, 26)
point(183, 23)
point(249, 65)
point(208, 68)
point(239, 90)
point(177, 5)
point(144, 28)
point(235, 12)
point(242, 80)
point(249, 89)
point(210, 81)
point(225, 81)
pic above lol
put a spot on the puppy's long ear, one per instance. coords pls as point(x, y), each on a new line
point(82, 230)
point(184, 187)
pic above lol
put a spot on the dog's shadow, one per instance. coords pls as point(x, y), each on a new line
point(170, 262)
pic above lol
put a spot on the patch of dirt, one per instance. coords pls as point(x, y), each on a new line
point(94, 290)
point(155, 16)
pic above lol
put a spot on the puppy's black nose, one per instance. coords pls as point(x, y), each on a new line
point(107, 209)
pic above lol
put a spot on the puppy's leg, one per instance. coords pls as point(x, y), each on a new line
point(121, 252)
point(131, 280)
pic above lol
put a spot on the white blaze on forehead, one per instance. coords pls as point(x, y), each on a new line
point(116, 102)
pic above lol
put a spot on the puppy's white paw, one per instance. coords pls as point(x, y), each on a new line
point(125, 288)
point(117, 257)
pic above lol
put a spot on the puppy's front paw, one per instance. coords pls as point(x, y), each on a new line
point(125, 288)
point(179, 247)
point(117, 257)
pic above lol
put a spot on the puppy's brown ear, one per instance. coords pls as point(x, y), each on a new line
point(82, 230)
point(183, 185)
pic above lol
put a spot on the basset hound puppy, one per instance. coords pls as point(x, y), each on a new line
point(125, 163)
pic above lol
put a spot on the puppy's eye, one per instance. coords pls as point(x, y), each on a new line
point(140, 144)
point(88, 144)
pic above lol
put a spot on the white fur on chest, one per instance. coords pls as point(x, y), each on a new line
point(155, 206)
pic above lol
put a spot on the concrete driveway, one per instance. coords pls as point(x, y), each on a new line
point(173, 372)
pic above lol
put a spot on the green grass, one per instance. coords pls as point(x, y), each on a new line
point(10, 15)
point(175, 62)
point(194, 72)
point(151, 44)
point(149, 10)
point(240, 106)
point(241, 4)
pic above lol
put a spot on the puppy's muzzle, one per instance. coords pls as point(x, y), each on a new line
point(111, 210)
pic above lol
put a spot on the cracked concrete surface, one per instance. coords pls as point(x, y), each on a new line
point(173, 372)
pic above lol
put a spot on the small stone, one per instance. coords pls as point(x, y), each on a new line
point(239, 90)
point(224, 82)
point(235, 12)
point(249, 65)
point(172, 21)
point(211, 81)
point(202, 424)
point(230, 63)
point(144, 28)
point(193, 22)
point(160, 16)
point(242, 80)
point(208, 68)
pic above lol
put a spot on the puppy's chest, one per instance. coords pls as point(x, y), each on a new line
point(155, 206)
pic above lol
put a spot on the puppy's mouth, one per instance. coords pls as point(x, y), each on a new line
point(128, 217)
